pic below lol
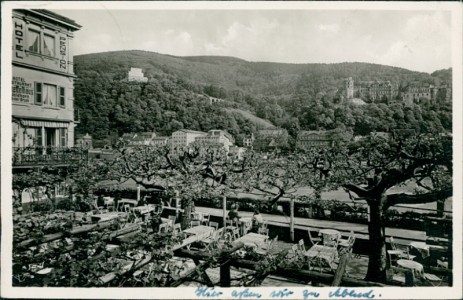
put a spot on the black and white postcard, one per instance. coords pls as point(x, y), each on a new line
point(231, 150)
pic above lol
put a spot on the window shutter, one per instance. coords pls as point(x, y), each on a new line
point(62, 96)
point(38, 93)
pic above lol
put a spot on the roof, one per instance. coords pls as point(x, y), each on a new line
point(57, 17)
point(147, 134)
point(191, 131)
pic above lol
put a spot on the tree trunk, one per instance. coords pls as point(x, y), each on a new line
point(377, 255)
point(186, 215)
point(440, 208)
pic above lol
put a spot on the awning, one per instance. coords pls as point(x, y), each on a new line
point(33, 123)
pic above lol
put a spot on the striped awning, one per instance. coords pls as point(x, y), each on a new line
point(34, 123)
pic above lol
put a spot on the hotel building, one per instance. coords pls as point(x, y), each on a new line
point(42, 88)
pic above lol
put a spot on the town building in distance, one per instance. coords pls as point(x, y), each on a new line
point(160, 140)
point(376, 91)
point(84, 141)
point(349, 88)
point(185, 137)
point(415, 93)
point(248, 140)
point(270, 139)
point(42, 88)
point(236, 152)
point(136, 74)
point(217, 137)
point(319, 138)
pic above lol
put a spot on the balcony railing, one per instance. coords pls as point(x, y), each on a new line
point(36, 156)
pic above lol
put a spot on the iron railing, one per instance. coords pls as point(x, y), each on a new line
point(34, 156)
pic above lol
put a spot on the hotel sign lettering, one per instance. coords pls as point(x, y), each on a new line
point(19, 38)
point(22, 90)
point(62, 52)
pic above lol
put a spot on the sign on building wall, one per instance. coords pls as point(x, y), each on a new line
point(19, 29)
point(22, 91)
point(63, 52)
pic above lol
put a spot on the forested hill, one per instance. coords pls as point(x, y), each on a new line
point(292, 96)
point(238, 75)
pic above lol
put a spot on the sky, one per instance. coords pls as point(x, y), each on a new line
point(415, 40)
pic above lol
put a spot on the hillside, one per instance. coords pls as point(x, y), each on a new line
point(259, 122)
point(265, 78)
point(255, 94)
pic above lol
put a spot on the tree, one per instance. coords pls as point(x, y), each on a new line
point(83, 177)
point(187, 173)
point(370, 169)
point(45, 178)
point(280, 175)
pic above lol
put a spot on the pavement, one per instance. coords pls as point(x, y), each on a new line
point(401, 236)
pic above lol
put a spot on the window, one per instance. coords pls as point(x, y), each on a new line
point(48, 45)
point(62, 96)
point(61, 189)
point(38, 137)
point(63, 137)
point(38, 93)
point(49, 94)
point(33, 41)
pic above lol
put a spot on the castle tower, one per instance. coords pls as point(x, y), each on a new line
point(349, 83)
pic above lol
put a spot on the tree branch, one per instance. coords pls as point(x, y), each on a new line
point(403, 198)
point(360, 191)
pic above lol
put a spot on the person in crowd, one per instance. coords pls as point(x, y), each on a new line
point(233, 214)
point(257, 221)
point(155, 221)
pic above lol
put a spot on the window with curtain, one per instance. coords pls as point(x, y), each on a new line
point(48, 45)
point(49, 94)
point(33, 41)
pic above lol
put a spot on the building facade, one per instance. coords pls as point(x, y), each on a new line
point(85, 141)
point(236, 152)
point(269, 139)
point(141, 139)
point(414, 94)
point(42, 86)
point(217, 137)
point(136, 74)
point(320, 138)
point(185, 137)
point(248, 141)
point(417, 93)
point(160, 141)
point(378, 91)
point(314, 138)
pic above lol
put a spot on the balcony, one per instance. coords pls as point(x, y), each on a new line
point(24, 157)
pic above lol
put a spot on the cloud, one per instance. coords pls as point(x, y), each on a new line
point(330, 28)
point(96, 43)
point(170, 42)
point(423, 44)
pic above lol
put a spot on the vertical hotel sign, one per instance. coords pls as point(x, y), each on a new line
point(63, 49)
point(19, 29)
